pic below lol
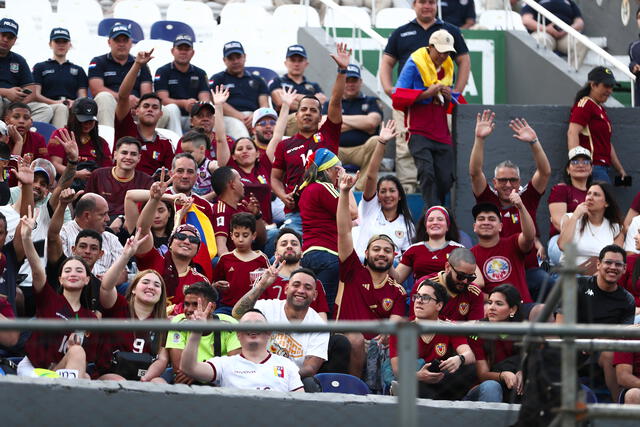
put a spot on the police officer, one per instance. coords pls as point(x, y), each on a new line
point(247, 92)
point(59, 81)
point(180, 85)
point(106, 73)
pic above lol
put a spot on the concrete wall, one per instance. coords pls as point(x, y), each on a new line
point(605, 21)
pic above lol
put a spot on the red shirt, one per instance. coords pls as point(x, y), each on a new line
point(359, 299)
point(237, 273)
point(103, 181)
point(626, 280)
point(596, 135)
point(277, 291)
point(425, 261)
point(440, 347)
point(465, 306)
point(45, 349)
point(292, 153)
point(33, 144)
point(503, 349)
point(627, 358)
point(635, 204)
point(155, 154)
point(256, 182)
point(503, 263)
point(318, 205)
point(7, 311)
point(222, 214)
point(563, 193)
point(86, 150)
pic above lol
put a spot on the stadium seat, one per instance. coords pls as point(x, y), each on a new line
point(244, 15)
point(78, 28)
point(169, 30)
point(44, 129)
point(346, 16)
point(342, 383)
point(198, 15)
point(144, 12)
point(33, 16)
point(136, 30)
point(31, 6)
point(266, 4)
point(88, 11)
point(590, 396)
point(161, 52)
point(267, 74)
point(393, 17)
point(107, 133)
point(170, 135)
point(501, 20)
point(296, 15)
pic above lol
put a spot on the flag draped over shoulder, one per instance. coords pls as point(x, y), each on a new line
point(208, 250)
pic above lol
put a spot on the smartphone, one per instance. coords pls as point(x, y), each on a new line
point(435, 366)
point(622, 182)
point(26, 91)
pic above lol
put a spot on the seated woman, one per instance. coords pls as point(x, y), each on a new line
point(498, 361)
point(145, 299)
point(162, 220)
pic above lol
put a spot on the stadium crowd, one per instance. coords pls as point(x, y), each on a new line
point(242, 223)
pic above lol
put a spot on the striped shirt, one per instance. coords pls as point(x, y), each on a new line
point(111, 247)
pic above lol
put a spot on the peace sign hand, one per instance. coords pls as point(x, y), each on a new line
point(200, 315)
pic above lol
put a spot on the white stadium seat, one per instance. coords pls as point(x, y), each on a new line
point(108, 133)
point(501, 20)
point(346, 17)
point(88, 11)
point(170, 135)
point(198, 15)
point(144, 12)
point(161, 52)
point(244, 15)
point(393, 17)
point(289, 17)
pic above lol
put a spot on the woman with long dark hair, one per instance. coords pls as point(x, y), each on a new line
point(162, 221)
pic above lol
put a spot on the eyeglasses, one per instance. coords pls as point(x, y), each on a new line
point(463, 277)
point(423, 298)
point(266, 123)
point(505, 180)
point(617, 264)
point(582, 162)
point(182, 237)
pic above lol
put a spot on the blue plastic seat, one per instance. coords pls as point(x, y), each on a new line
point(342, 383)
point(136, 30)
point(44, 129)
point(267, 74)
point(169, 30)
point(590, 396)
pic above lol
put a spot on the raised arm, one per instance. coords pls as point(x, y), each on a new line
point(288, 96)
point(25, 177)
point(342, 57)
point(189, 364)
point(484, 127)
point(343, 216)
point(568, 225)
point(387, 133)
point(220, 96)
point(527, 237)
point(68, 141)
point(525, 133)
point(28, 223)
point(54, 242)
point(249, 299)
point(129, 81)
point(145, 220)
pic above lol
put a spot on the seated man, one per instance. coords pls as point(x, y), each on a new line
point(247, 92)
point(627, 367)
point(361, 118)
point(255, 368)
point(22, 140)
point(461, 13)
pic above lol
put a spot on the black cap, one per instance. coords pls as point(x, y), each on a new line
point(119, 29)
point(602, 75)
point(296, 49)
point(85, 109)
point(353, 71)
point(200, 105)
point(8, 25)
point(232, 47)
point(59, 33)
point(485, 207)
point(183, 39)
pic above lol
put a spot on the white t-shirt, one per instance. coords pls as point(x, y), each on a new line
point(591, 241)
point(295, 346)
point(629, 241)
point(373, 221)
point(275, 373)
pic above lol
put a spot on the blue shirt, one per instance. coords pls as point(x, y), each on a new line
point(181, 85)
point(14, 71)
point(360, 105)
point(243, 91)
point(410, 37)
point(112, 73)
point(457, 12)
point(60, 80)
point(304, 88)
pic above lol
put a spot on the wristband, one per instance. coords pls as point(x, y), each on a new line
point(381, 141)
point(462, 359)
point(258, 216)
point(72, 162)
point(342, 71)
point(534, 141)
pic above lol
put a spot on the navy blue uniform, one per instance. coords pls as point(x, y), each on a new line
point(360, 105)
point(112, 73)
point(60, 80)
point(243, 91)
point(14, 71)
point(567, 10)
point(457, 12)
point(181, 85)
point(410, 37)
point(304, 88)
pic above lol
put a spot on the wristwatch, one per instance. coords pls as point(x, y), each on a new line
point(462, 359)
point(342, 71)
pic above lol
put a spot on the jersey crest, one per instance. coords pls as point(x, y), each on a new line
point(441, 349)
point(497, 269)
point(387, 304)
point(463, 308)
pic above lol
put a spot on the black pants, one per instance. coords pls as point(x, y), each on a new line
point(435, 163)
point(452, 387)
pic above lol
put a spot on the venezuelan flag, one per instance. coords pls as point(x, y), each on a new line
point(198, 219)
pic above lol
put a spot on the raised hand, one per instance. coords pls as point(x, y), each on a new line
point(25, 171)
point(270, 274)
point(342, 55)
point(523, 132)
point(347, 181)
point(67, 195)
point(288, 95)
point(515, 199)
point(220, 94)
point(143, 57)
point(160, 187)
point(28, 224)
point(68, 141)
point(485, 123)
point(133, 243)
point(388, 131)
point(201, 314)
point(252, 205)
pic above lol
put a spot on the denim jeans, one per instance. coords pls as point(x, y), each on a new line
point(326, 267)
point(487, 391)
point(553, 251)
point(600, 173)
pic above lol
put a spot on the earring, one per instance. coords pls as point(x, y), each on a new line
point(511, 315)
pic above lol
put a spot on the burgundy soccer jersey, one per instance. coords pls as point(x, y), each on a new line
point(277, 291)
point(104, 181)
point(155, 154)
point(425, 261)
point(439, 347)
point(502, 349)
point(318, 206)
point(563, 193)
point(503, 263)
point(256, 182)
point(86, 150)
point(46, 349)
point(628, 358)
point(34, 145)
point(360, 299)
point(292, 153)
point(222, 214)
point(465, 306)
point(237, 273)
point(596, 137)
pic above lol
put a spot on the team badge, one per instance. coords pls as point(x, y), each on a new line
point(365, 108)
point(176, 337)
point(387, 303)
point(14, 67)
point(278, 371)
point(400, 234)
point(497, 269)
point(309, 87)
point(441, 349)
point(203, 174)
point(93, 153)
point(252, 83)
point(464, 2)
point(317, 138)
point(463, 308)
point(73, 71)
point(156, 155)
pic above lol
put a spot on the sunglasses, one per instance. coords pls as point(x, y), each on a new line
point(183, 237)
point(423, 298)
point(584, 162)
point(464, 277)
point(266, 123)
point(505, 180)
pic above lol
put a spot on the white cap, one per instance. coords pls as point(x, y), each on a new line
point(263, 112)
point(442, 40)
point(579, 151)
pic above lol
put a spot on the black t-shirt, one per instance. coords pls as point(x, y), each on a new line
point(90, 297)
point(567, 10)
point(457, 12)
point(243, 91)
point(60, 80)
point(598, 306)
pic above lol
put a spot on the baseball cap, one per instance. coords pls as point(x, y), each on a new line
point(85, 109)
point(59, 33)
point(119, 29)
point(198, 106)
point(353, 71)
point(442, 40)
point(485, 207)
point(263, 112)
point(45, 167)
point(183, 39)
point(4, 130)
point(232, 47)
point(602, 75)
point(296, 49)
point(579, 151)
point(8, 25)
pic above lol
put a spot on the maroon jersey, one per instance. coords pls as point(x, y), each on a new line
point(277, 291)
point(563, 193)
point(360, 299)
point(222, 214)
point(438, 347)
point(46, 349)
point(104, 181)
point(635, 204)
point(502, 349)
point(237, 273)
point(626, 358)
point(256, 182)
point(292, 153)
point(318, 206)
point(86, 150)
point(596, 137)
point(155, 154)
point(503, 263)
point(626, 280)
point(426, 261)
point(33, 144)
point(198, 201)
